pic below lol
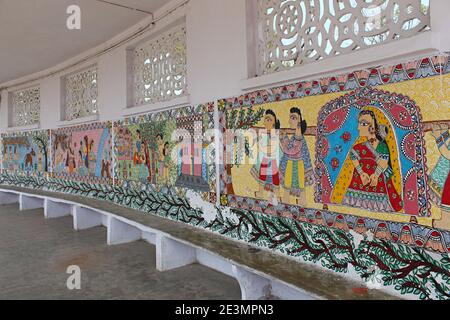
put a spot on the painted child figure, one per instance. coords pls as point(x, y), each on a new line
point(295, 166)
point(440, 176)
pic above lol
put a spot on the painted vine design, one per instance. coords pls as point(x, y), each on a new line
point(159, 204)
point(408, 270)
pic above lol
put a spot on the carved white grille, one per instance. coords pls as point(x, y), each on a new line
point(296, 32)
point(26, 107)
point(81, 94)
point(159, 68)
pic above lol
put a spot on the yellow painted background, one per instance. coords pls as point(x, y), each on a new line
point(432, 96)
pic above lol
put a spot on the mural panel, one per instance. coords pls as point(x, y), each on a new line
point(365, 151)
point(169, 151)
point(370, 153)
point(83, 153)
point(26, 152)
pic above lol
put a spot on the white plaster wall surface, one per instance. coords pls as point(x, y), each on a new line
point(216, 43)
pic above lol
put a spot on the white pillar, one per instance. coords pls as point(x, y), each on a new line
point(8, 198)
point(257, 287)
point(171, 254)
point(54, 209)
point(85, 218)
point(120, 232)
point(30, 203)
point(253, 287)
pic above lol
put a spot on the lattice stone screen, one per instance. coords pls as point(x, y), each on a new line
point(26, 107)
point(159, 68)
point(296, 32)
point(81, 94)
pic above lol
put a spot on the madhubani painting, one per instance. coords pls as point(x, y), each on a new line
point(367, 151)
point(370, 153)
point(26, 152)
point(83, 152)
point(169, 150)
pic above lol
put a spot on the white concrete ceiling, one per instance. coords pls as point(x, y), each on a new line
point(34, 36)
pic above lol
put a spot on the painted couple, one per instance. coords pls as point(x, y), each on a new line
point(283, 161)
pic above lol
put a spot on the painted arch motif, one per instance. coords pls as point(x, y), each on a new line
point(344, 154)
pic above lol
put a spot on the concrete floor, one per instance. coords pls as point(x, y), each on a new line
point(35, 254)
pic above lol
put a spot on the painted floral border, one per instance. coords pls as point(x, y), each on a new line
point(370, 77)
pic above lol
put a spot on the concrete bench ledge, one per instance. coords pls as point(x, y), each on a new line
point(260, 273)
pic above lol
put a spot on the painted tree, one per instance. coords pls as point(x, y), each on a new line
point(41, 140)
point(237, 148)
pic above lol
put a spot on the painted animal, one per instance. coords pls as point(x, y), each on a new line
point(29, 158)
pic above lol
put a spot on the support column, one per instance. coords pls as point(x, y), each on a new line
point(30, 203)
point(171, 254)
point(253, 287)
point(120, 232)
point(85, 218)
point(257, 287)
point(54, 209)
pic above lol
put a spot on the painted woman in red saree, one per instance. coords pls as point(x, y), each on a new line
point(367, 178)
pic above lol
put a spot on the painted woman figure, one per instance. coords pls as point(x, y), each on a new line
point(86, 152)
point(160, 149)
point(71, 162)
point(166, 154)
point(440, 176)
point(137, 149)
point(371, 177)
point(148, 161)
point(265, 170)
point(295, 165)
point(162, 164)
point(82, 156)
point(92, 158)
